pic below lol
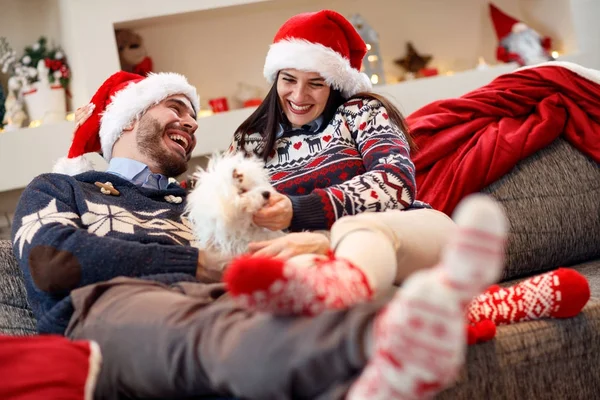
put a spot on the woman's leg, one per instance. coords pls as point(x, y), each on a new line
point(398, 242)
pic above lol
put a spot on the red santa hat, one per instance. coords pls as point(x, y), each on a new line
point(323, 42)
point(504, 24)
point(121, 99)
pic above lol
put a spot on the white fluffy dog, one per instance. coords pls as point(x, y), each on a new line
point(225, 197)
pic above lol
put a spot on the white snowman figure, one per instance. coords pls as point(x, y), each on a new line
point(42, 75)
point(517, 41)
point(14, 116)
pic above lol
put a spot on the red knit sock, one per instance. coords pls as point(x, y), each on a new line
point(556, 294)
point(306, 284)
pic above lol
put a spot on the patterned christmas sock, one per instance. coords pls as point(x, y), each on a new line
point(305, 284)
point(420, 338)
point(557, 294)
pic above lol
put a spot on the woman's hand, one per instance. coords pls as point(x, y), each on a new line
point(277, 214)
point(82, 114)
point(291, 245)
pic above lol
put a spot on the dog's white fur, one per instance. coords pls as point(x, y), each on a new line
point(225, 197)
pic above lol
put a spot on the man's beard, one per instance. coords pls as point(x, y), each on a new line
point(150, 143)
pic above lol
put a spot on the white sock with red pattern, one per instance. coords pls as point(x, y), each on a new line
point(419, 339)
point(556, 294)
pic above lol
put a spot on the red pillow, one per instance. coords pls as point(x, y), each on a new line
point(48, 367)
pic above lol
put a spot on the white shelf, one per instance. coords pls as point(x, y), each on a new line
point(29, 152)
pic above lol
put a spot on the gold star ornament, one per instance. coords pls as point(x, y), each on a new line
point(413, 61)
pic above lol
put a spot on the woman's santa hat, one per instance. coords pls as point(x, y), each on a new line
point(120, 100)
point(323, 42)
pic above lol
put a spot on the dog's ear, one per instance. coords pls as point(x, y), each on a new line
point(237, 176)
point(197, 176)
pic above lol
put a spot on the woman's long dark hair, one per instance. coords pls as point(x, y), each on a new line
point(269, 115)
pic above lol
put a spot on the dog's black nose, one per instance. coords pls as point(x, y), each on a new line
point(266, 195)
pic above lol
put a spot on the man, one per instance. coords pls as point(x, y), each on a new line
point(107, 257)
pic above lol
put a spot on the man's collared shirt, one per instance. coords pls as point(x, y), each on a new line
point(138, 173)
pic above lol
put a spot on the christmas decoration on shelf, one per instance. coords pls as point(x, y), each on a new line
point(481, 64)
point(415, 64)
point(247, 95)
point(2, 107)
point(219, 104)
point(517, 41)
point(372, 63)
point(39, 78)
point(132, 52)
point(14, 116)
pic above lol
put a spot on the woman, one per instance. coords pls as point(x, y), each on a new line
point(339, 156)
point(335, 149)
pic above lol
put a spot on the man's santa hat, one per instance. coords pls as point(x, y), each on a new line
point(120, 100)
point(323, 42)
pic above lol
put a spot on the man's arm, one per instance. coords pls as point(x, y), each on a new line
point(58, 254)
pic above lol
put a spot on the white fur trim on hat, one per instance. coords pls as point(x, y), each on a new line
point(314, 57)
point(72, 166)
point(135, 98)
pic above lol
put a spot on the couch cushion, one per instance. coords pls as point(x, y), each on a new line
point(15, 315)
point(552, 200)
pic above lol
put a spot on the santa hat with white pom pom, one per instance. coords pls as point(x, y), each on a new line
point(121, 99)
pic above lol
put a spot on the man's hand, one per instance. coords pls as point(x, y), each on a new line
point(277, 214)
point(211, 266)
point(291, 245)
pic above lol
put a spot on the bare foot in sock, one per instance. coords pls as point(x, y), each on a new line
point(419, 339)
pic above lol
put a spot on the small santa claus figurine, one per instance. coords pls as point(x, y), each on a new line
point(517, 41)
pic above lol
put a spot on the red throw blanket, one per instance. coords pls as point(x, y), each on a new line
point(467, 143)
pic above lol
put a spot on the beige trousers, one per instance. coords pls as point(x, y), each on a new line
point(417, 236)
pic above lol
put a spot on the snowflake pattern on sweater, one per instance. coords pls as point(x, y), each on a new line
point(359, 162)
point(68, 234)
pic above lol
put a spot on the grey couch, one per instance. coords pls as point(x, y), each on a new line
point(552, 200)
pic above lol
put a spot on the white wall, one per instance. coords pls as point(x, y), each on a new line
point(552, 18)
point(217, 49)
point(586, 25)
point(89, 24)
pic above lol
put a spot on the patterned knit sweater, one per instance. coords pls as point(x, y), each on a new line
point(67, 234)
point(358, 162)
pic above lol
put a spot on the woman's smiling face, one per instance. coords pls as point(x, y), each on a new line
point(302, 95)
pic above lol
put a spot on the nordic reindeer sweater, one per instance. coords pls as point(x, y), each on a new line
point(358, 162)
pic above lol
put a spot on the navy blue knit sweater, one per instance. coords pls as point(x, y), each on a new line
point(67, 234)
